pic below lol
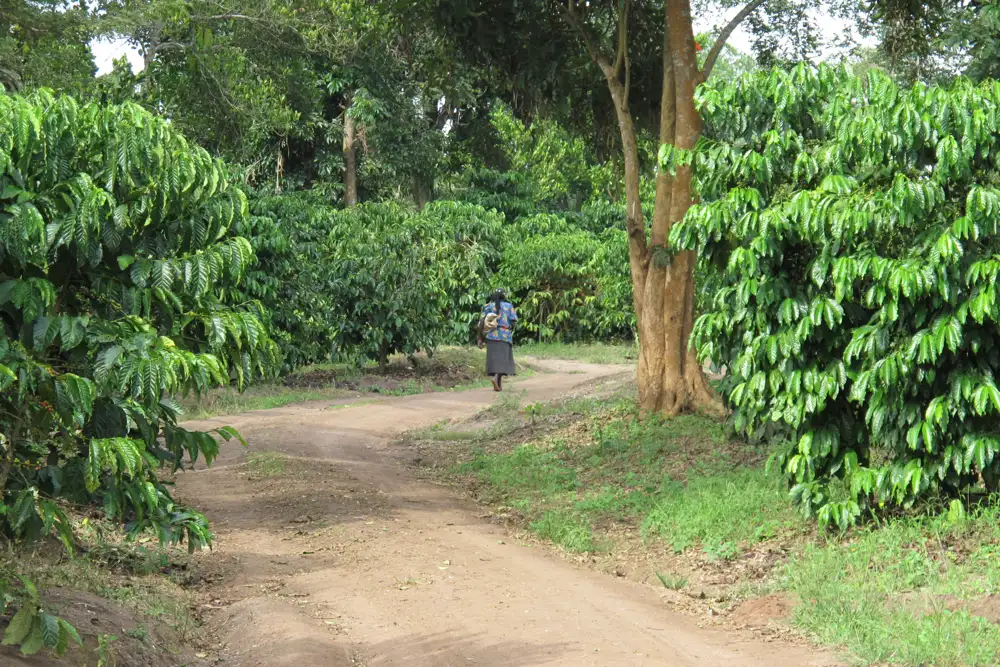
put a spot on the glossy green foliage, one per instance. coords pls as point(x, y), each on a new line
point(406, 282)
point(115, 248)
point(555, 162)
point(468, 245)
point(45, 43)
point(568, 283)
point(292, 279)
point(384, 278)
point(857, 226)
point(369, 281)
point(507, 192)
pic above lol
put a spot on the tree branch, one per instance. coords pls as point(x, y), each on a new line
point(226, 17)
point(573, 19)
point(724, 36)
point(621, 58)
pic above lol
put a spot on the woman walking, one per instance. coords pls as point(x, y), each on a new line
point(496, 326)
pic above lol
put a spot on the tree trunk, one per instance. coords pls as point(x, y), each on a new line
point(684, 379)
point(670, 379)
point(350, 161)
point(423, 190)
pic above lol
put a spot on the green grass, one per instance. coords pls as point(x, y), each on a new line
point(701, 512)
point(910, 591)
point(265, 464)
point(673, 582)
point(594, 353)
point(679, 480)
point(127, 573)
point(896, 593)
point(450, 369)
point(263, 397)
point(440, 434)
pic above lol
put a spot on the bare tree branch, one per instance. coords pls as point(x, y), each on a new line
point(12, 81)
point(724, 36)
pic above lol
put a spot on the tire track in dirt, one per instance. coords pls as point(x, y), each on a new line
point(345, 558)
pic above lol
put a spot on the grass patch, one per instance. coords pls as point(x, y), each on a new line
point(127, 573)
point(912, 592)
point(680, 480)
point(593, 353)
point(572, 533)
point(265, 464)
point(702, 511)
point(672, 582)
point(440, 434)
point(263, 397)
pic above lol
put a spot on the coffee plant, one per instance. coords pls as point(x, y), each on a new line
point(387, 289)
point(551, 277)
point(115, 251)
point(32, 627)
point(467, 244)
point(367, 282)
point(291, 278)
point(856, 226)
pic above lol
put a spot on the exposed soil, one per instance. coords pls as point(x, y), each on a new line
point(344, 556)
point(149, 644)
point(763, 611)
point(400, 374)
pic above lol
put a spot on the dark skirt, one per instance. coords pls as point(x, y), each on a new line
point(500, 358)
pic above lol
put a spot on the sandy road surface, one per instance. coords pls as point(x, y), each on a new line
point(343, 557)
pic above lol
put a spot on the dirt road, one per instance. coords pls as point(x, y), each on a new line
point(342, 557)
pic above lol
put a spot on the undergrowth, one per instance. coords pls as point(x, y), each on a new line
point(679, 480)
point(261, 397)
point(912, 591)
point(143, 576)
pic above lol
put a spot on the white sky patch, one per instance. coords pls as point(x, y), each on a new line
point(107, 50)
point(829, 28)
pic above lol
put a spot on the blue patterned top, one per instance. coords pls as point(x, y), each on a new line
point(505, 321)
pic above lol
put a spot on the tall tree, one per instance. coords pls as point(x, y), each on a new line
point(645, 55)
point(236, 77)
point(44, 43)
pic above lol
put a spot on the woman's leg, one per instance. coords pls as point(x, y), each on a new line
point(500, 381)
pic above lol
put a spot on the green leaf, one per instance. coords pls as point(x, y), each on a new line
point(50, 630)
point(19, 627)
point(35, 640)
point(68, 632)
point(228, 433)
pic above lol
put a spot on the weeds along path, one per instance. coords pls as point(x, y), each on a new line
point(336, 555)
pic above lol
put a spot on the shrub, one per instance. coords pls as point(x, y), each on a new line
point(290, 234)
point(467, 245)
point(114, 254)
point(857, 223)
point(551, 276)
